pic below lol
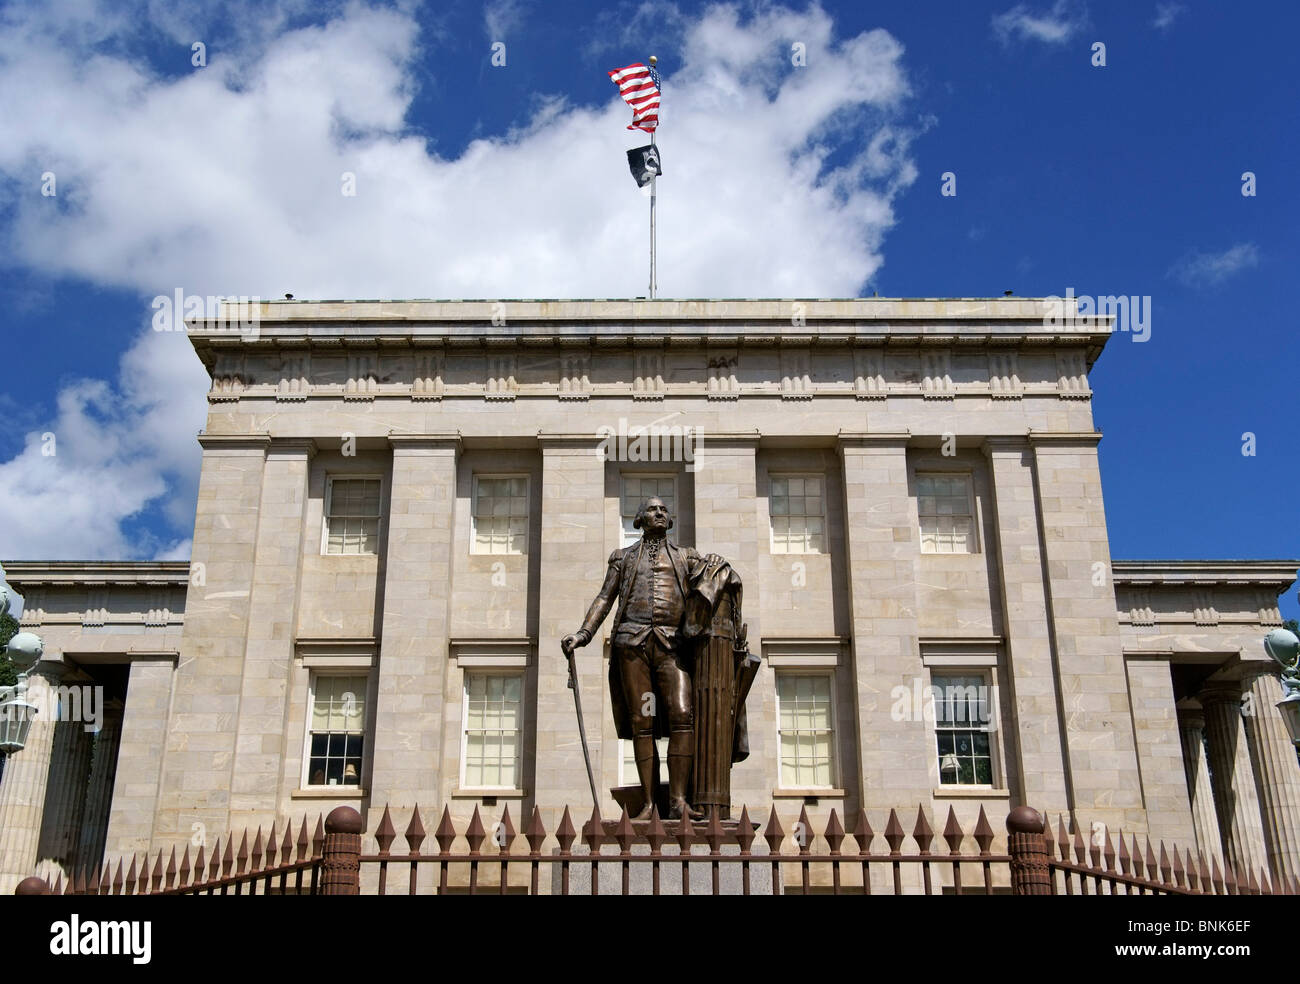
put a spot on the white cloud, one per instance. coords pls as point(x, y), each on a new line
point(1166, 14)
point(1209, 269)
point(1056, 25)
point(226, 180)
point(501, 18)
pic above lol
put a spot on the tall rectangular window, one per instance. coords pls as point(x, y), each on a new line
point(798, 509)
point(500, 514)
point(352, 516)
point(490, 748)
point(946, 513)
point(337, 727)
point(806, 732)
point(963, 729)
point(638, 488)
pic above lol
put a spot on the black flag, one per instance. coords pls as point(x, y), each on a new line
point(644, 162)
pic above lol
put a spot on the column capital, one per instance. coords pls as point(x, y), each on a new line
point(292, 447)
point(863, 441)
point(1220, 693)
point(440, 441)
point(235, 442)
point(1005, 444)
point(1063, 440)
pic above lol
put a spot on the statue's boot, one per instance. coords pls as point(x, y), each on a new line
point(647, 769)
point(679, 780)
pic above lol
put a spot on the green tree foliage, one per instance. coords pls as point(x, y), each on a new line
point(8, 628)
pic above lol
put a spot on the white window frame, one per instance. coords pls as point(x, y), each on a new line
point(972, 506)
point(340, 670)
point(810, 671)
point(329, 499)
point(988, 674)
point(771, 517)
point(474, 547)
point(626, 537)
point(472, 670)
point(627, 776)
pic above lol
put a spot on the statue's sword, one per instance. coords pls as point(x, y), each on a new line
point(582, 729)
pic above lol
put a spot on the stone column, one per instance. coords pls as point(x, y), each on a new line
point(1105, 782)
point(272, 626)
point(1277, 772)
point(413, 654)
point(575, 551)
point(1235, 796)
point(139, 730)
point(26, 778)
point(898, 758)
point(726, 523)
point(1209, 841)
point(200, 742)
point(65, 799)
point(99, 791)
point(1042, 769)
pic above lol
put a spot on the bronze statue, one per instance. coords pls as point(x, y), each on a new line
point(678, 613)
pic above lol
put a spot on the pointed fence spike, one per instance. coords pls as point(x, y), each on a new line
point(894, 833)
point(952, 833)
point(983, 832)
point(922, 832)
point(385, 833)
point(744, 830)
point(445, 832)
point(535, 831)
point(834, 833)
point(415, 833)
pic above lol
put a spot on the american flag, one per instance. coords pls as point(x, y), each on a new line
point(639, 87)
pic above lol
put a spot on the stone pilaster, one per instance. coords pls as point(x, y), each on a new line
point(139, 731)
point(1235, 797)
point(26, 778)
point(1199, 794)
point(1105, 782)
point(99, 791)
point(272, 621)
point(413, 649)
point(1042, 769)
point(1277, 772)
point(200, 742)
point(1160, 751)
point(726, 523)
point(898, 758)
point(575, 550)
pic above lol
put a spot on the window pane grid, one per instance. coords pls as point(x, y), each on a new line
point(805, 730)
point(492, 727)
point(944, 511)
point(500, 515)
point(352, 526)
point(798, 513)
point(338, 722)
point(963, 730)
point(635, 490)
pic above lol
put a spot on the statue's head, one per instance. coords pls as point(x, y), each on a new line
point(653, 517)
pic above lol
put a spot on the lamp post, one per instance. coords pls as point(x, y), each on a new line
point(24, 650)
point(1284, 646)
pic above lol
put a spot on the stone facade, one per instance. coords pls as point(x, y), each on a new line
point(1101, 675)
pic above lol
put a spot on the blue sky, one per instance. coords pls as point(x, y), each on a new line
point(814, 180)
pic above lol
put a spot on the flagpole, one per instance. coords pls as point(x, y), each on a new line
point(653, 184)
